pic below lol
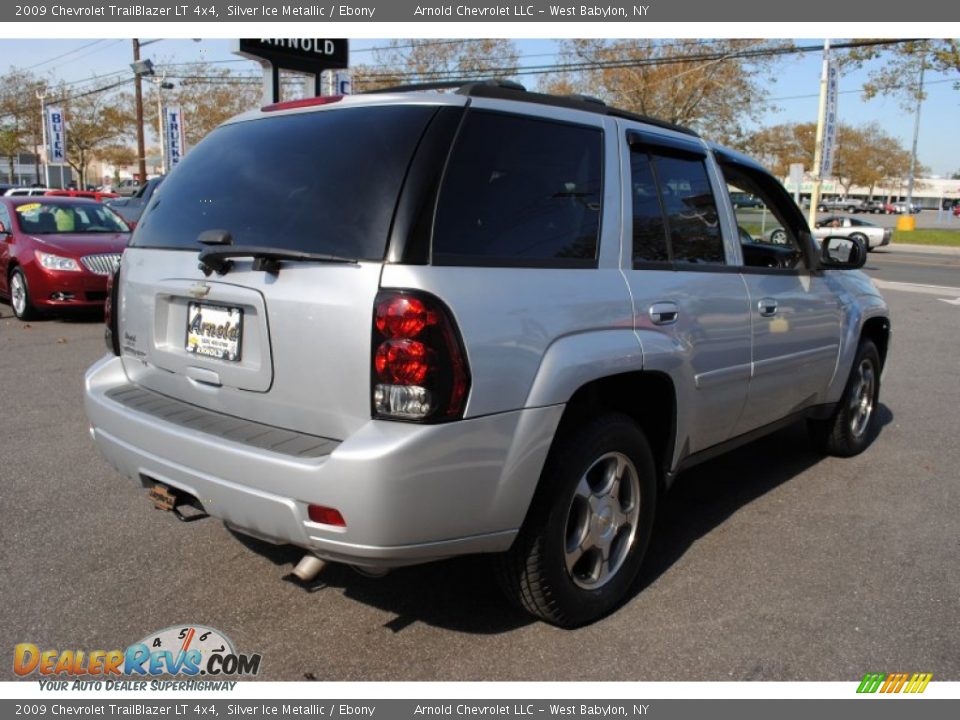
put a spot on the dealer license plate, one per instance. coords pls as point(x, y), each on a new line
point(214, 331)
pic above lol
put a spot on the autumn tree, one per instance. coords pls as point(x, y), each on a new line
point(207, 95)
point(780, 146)
point(715, 87)
point(94, 120)
point(404, 62)
point(20, 121)
point(866, 156)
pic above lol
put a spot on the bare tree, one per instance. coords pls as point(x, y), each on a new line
point(405, 62)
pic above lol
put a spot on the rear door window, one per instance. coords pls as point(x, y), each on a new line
point(322, 182)
point(520, 191)
point(675, 218)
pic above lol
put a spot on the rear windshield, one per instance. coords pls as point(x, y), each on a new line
point(323, 182)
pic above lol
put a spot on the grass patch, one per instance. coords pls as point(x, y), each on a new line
point(950, 238)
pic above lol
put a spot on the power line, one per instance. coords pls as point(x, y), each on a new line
point(63, 55)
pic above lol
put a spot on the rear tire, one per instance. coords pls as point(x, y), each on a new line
point(588, 527)
point(863, 239)
point(853, 424)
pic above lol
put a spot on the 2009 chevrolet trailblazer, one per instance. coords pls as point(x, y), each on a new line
point(415, 325)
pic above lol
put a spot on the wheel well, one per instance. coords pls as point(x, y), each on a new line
point(878, 330)
point(647, 397)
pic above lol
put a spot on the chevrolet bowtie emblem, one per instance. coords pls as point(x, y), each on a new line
point(199, 290)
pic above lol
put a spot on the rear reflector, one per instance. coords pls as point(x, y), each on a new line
point(303, 102)
point(325, 515)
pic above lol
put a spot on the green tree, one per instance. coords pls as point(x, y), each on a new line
point(895, 70)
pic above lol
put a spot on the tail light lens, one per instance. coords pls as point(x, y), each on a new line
point(419, 369)
point(111, 309)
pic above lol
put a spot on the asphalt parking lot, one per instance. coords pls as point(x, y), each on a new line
point(770, 563)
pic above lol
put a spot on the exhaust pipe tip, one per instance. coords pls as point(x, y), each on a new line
point(308, 568)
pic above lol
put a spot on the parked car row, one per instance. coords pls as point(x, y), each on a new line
point(97, 195)
point(857, 205)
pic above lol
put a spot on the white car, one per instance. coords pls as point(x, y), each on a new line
point(872, 236)
point(26, 192)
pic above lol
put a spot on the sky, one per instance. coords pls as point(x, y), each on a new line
point(794, 90)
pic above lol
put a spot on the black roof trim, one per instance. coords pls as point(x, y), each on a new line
point(509, 90)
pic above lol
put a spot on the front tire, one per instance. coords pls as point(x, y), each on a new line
point(589, 525)
point(20, 296)
point(853, 424)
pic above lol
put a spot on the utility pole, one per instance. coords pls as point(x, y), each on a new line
point(916, 134)
point(43, 135)
point(138, 96)
point(818, 153)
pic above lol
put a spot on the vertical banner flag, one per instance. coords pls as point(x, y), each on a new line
point(830, 126)
point(56, 136)
point(173, 129)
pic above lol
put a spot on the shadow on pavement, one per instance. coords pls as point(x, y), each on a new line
point(462, 594)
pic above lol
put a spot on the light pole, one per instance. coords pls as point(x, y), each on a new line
point(138, 96)
point(43, 134)
point(916, 135)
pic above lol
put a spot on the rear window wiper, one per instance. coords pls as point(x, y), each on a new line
point(217, 259)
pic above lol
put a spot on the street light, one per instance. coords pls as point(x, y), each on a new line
point(142, 68)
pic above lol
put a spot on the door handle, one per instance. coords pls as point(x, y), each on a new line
point(664, 313)
point(767, 307)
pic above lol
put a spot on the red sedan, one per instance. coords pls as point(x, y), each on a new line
point(57, 253)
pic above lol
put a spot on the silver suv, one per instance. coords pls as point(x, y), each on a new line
point(399, 327)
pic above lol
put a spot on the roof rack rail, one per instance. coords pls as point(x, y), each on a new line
point(508, 90)
point(460, 85)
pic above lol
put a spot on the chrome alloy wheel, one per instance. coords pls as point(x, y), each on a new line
point(18, 293)
point(861, 401)
point(602, 521)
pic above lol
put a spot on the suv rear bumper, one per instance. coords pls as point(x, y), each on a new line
point(408, 493)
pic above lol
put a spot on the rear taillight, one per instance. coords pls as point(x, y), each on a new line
point(111, 309)
point(419, 369)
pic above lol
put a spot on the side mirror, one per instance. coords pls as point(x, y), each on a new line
point(842, 253)
point(3, 229)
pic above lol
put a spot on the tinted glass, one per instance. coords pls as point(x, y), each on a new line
point(649, 231)
point(691, 212)
point(521, 190)
point(322, 182)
